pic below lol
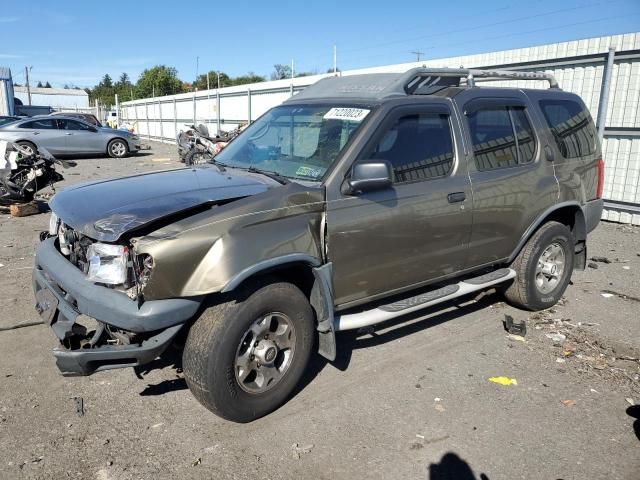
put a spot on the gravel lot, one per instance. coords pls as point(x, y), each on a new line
point(410, 400)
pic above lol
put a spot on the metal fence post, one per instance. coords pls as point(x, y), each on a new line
point(248, 105)
point(160, 116)
point(603, 104)
point(218, 110)
point(146, 114)
point(194, 108)
point(175, 117)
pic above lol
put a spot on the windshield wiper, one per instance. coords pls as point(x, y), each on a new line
point(272, 175)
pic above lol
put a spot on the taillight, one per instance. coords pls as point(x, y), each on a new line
point(600, 186)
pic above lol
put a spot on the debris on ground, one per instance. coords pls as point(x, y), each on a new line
point(556, 338)
point(600, 259)
point(607, 295)
point(439, 407)
point(630, 401)
point(79, 402)
point(568, 403)
point(299, 450)
point(517, 338)
point(593, 265)
point(196, 462)
point(506, 381)
point(515, 327)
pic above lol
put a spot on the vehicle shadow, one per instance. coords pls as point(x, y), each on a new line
point(452, 467)
point(634, 412)
point(349, 341)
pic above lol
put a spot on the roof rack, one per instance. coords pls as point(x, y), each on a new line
point(429, 78)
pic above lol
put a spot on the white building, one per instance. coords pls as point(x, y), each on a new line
point(57, 98)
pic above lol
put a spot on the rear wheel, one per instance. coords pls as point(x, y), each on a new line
point(28, 146)
point(243, 358)
point(117, 148)
point(543, 267)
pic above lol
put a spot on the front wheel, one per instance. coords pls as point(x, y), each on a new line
point(543, 268)
point(117, 148)
point(243, 358)
point(197, 157)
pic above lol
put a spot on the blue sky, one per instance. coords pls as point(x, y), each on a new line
point(76, 42)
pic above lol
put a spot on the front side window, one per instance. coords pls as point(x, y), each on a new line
point(502, 137)
point(571, 126)
point(298, 141)
point(65, 124)
point(418, 146)
point(48, 124)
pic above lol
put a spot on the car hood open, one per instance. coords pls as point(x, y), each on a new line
point(106, 210)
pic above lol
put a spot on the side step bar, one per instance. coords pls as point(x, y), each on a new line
point(423, 300)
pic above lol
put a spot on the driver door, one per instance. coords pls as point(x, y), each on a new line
point(417, 230)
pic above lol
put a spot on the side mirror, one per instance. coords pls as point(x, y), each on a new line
point(369, 175)
point(93, 129)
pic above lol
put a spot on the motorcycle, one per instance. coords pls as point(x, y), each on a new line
point(195, 146)
point(24, 173)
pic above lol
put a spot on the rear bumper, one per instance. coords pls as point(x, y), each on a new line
point(158, 321)
point(592, 213)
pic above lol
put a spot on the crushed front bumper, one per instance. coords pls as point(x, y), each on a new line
point(63, 293)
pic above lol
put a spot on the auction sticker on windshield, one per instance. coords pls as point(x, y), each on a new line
point(305, 171)
point(346, 113)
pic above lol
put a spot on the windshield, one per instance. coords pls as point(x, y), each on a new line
point(295, 141)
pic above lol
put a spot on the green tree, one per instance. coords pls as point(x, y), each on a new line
point(201, 82)
point(47, 85)
point(281, 72)
point(124, 87)
point(250, 77)
point(161, 80)
point(39, 85)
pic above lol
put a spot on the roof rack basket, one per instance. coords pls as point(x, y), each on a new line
point(422, 76)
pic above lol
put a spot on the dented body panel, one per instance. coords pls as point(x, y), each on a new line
point(202, 253)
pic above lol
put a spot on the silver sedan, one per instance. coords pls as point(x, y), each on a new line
point(69, 136)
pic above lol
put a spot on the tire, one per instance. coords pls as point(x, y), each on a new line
point(225, 336)
point(197, 157)
point(28, 145)
point(538, 285)
point(117, 148)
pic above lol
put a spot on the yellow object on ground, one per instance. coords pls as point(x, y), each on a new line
point(504, 380)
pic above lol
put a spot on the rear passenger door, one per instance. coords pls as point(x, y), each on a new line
point(512, 182)
point(410, 233)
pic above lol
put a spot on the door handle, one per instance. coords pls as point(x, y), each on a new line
point(68, 133)
point(456, 197)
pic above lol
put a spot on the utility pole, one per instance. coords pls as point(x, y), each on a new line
point(417, 53)
point(26, 74)
point(335, 60)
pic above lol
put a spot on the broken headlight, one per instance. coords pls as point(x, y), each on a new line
point(107, 263)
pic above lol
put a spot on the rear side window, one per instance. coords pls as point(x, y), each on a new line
point(49, 124)
point(502, 137)
point(571, 126)
point(418, 146)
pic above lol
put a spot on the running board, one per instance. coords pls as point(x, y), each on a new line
point(421, 301)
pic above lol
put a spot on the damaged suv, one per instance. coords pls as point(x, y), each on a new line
point(357, 201)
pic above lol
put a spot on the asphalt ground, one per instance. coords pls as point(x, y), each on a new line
point(410, 399)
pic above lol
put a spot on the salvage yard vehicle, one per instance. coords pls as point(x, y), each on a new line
point(359, 200)
point(23, 173)
point(66, 135)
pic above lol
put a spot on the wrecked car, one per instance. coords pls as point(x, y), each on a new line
point(358, 201)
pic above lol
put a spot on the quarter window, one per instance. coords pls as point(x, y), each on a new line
point(502, 137)
point(571, 126)
point(418, 146)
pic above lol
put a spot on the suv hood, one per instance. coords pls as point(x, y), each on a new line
point(106, 210)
